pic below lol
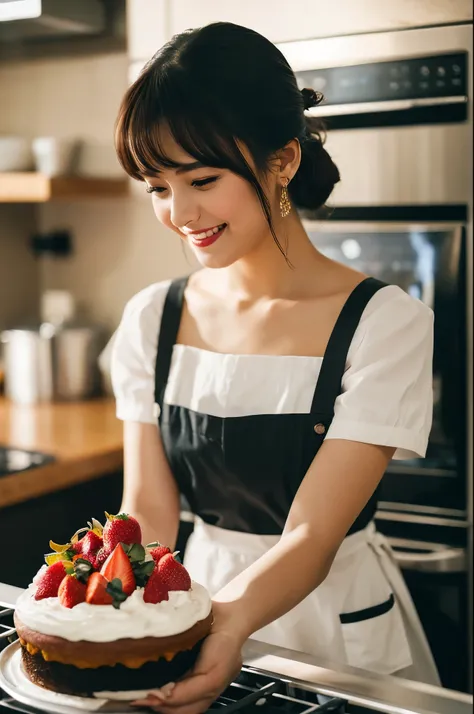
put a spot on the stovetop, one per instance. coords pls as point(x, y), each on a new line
point(279, 681)
point(13, 460)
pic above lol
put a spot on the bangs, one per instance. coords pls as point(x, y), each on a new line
point(197, 126)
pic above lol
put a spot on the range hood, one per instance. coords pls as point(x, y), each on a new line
point(22, 20)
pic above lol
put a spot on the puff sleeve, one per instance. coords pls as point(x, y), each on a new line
point(387, 388)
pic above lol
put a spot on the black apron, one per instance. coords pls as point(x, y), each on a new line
point(242, 473)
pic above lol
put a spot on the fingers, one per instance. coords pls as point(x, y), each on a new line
point(160, 705)
point(194, 688)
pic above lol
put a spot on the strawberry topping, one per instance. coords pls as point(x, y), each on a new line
point(158, 552)
point(48, 584)
point(118, 566)
point(121, 529)
point(71, 591)
point(96, 593)
point(155, 589)
point(174, 575)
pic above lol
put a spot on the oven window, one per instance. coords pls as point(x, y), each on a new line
point(428, 263)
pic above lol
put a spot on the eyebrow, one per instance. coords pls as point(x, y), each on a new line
point(186, 168)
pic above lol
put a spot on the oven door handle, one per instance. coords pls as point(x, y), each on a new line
point(326, 111)
point(445, 560)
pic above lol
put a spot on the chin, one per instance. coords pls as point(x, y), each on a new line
point(215, 261)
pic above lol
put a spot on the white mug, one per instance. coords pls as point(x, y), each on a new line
point(55, 157)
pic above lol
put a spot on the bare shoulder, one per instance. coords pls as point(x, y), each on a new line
point(336, 280)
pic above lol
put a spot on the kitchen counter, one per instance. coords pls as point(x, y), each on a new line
point(84, 437)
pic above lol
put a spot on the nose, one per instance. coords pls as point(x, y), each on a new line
point(183, 209)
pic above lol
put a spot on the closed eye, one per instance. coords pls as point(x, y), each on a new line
point(204, 182)
point(197, 183)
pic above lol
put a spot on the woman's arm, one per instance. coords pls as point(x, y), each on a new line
point(337, 486)
point(150, 492)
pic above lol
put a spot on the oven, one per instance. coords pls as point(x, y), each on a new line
point(398, 112)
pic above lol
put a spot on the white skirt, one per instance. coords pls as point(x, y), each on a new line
point(364, 574)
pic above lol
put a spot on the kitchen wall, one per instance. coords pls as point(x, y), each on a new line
point(301, 19)
point(19, 275)
point(119, 245)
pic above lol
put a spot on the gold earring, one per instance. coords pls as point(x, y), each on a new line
point(285, 203)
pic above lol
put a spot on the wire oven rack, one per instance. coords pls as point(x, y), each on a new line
point(253, 691)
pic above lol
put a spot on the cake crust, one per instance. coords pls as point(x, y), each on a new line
point(129, 652)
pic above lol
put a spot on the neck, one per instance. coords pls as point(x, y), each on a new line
point(265, 273)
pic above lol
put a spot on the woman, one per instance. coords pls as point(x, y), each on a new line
point(278, 450)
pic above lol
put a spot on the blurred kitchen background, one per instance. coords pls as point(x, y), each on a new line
point(77, 240)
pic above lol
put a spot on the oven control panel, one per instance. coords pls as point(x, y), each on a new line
point(415, 78)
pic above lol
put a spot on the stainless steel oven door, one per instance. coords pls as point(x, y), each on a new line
point(436, 575)
point(428, 262)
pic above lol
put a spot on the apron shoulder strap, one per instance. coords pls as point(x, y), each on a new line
point(329, 382)
point(169, 327)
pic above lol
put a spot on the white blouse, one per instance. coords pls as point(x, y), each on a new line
point(387, 386)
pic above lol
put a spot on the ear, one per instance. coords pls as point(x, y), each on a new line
point(289, 159)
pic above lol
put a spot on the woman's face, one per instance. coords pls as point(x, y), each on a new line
point(216, 212)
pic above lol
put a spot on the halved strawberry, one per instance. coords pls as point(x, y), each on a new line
point(118, 566)
point(71, 591)
point(96, 593)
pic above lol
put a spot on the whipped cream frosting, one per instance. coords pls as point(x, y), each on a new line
point(103, 623)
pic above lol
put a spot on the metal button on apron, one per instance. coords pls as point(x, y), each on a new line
point(319, 428)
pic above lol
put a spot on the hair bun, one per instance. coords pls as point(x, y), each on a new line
point(311, 98)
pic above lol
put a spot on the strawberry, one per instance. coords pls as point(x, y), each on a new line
point(90, 544)
point(48, 584)
point(95, 559)
point(96, 593)
point(121, 529)
point(155, 589)
point(99, 558)
point(158, 552)
point(71, 591)
point(174, 575)
point(118, 566)
point(76, 547)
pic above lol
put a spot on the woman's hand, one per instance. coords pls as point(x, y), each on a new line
point(218, 664)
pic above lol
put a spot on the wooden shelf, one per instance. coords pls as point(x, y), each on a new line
point(30, 187)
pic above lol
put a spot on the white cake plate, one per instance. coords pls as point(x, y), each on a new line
point(15, 683)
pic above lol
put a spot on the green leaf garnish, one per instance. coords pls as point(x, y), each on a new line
point(142, 572)
point(135, 552)
point(114, 588)
point(83, 568)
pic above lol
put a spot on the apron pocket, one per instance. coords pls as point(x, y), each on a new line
point(375, 639)
point(348, 618)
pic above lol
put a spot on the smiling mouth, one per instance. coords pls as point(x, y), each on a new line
point(206, 238)
point(207, 234)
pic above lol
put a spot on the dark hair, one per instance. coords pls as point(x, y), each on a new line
point(217, 87)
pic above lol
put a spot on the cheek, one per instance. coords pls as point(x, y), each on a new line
point(242, 207)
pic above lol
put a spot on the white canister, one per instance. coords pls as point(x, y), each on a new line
point(55, 157)
point(49, 363)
